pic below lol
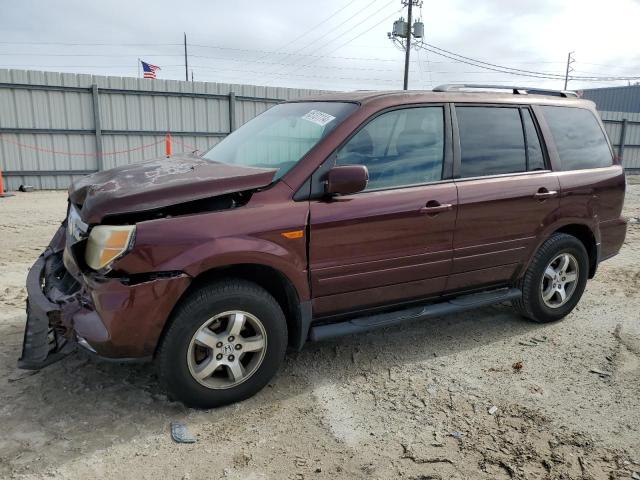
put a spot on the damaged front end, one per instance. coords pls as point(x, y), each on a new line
point(118, 318)
point(80, 291)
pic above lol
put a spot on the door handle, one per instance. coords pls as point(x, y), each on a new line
point(433, 207)
point(543, 194)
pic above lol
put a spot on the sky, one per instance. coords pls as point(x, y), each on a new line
point(333, 44)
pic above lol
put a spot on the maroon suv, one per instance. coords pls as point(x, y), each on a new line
point(328, 216)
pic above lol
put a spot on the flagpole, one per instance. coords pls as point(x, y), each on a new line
point(138, 68)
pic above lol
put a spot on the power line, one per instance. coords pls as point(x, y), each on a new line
point(338, 26)
point(291, 42)
point(86, 55)
point(549, 75)
point(331, 67)
point(386, 80)
point(361, 22)
point(515, 71)
point(490, 64)
point(499, 70)
point(290, 64)
point(77, 66)
point(347, 42)
point(334, 29)
point(218, 47)
point(93, 44)
point(306, 60)
point(165, 55)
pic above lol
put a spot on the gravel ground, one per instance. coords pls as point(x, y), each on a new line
point(412, 402)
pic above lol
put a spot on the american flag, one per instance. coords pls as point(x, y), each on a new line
point(149, 70)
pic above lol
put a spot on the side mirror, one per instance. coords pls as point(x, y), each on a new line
point(346, 179)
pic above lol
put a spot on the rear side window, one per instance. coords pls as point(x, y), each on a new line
point(579, 139)
point(491, 141)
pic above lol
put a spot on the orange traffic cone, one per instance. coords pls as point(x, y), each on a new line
point(2, 192)
point(167, 145)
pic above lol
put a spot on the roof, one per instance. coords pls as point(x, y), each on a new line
point(399, 97)
point(615, 99)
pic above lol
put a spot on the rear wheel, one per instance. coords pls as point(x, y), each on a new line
point(555, 280)
point(225, 343)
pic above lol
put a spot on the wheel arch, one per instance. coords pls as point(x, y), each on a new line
point(296, 311)
point(580, 230)
point(586, 236)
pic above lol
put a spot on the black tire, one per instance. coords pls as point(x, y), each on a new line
point(531, 304)
point(191, 314)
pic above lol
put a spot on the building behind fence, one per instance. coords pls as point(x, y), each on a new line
point(619, 108)
point(55, 127)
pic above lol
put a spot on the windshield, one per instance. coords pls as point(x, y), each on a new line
point(281, 136)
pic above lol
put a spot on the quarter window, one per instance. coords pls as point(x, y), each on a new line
point(399, 148)
point(580, 141)
point(491, 141)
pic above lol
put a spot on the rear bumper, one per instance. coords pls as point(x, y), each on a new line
point(112, 317)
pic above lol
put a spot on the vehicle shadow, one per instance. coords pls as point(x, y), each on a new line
point(81, 405)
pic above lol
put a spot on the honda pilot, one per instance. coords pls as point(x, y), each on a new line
point(329, 216)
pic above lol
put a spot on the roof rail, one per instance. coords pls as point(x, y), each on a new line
point(451, 87)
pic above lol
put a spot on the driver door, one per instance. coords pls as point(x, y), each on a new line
point(393, 241)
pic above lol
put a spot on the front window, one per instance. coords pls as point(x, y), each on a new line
point(281, 136)
point(399, 148)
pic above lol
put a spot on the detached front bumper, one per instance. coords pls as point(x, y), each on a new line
point(116, 318)
point(42, 344)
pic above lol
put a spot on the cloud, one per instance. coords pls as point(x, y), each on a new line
point(255, 41)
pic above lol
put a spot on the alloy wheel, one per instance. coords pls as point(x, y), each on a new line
point(227, 349)
point(560, 280)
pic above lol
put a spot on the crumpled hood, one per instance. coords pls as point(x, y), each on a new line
point(159, 183)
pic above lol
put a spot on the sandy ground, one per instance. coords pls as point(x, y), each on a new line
point(410, 402)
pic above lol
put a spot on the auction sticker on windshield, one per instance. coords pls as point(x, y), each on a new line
point(318, 117)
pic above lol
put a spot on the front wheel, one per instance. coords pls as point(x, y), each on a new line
point(555, 280)
point(225, 342)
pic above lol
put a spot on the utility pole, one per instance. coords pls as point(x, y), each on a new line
point(570, 60)
point(186, 64)
point(407, 30)
point(408, 49)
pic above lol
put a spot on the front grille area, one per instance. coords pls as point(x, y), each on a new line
point(56, 276)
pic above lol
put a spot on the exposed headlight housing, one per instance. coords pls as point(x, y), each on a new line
point(107, 243)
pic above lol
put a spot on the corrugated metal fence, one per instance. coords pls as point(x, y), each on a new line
point(623, 129)
point(55, 127)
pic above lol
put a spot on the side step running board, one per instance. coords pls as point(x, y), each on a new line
point(456, 305)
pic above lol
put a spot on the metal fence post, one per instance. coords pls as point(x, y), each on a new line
point(623, 134)
point(232, 111)
point(96, 122)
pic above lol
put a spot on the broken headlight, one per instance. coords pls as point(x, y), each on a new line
point(107, 243)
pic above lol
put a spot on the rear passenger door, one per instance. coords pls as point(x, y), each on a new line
point(506, 192)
